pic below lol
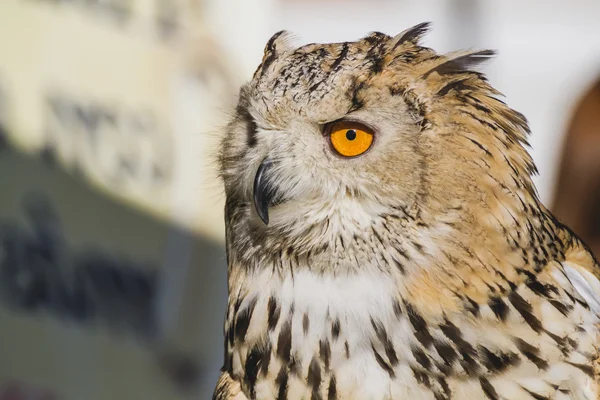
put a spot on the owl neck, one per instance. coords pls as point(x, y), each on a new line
point(414, 247)
point(337, 309)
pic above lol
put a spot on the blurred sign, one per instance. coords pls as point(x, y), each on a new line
point(94, 85)
point(97, 297)
point(117, 146)
point(39, 272)
point(18, 391)
point(81, 282)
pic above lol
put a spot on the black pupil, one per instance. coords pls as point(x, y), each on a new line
point(351, 134)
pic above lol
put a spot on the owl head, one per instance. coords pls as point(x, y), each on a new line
point(330, 141)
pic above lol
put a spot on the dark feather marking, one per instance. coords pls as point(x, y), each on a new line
point(533, 284)
point(222, 392)
point(440, 396)
point(421, 378)
point(346, 349)
point(266, 360)
point(564, 343)
point(325, 353)
point(294, 366)
point(462, 63)
point(282, 382)
point(377, 65)
point(476, 143)
point(399, 265)
point(248, 120)
point(315, 86)
point(564, 309)
point(482, 122)
point(305, 323)
point(446, 388)
point(341, 57)
point(284, 342)
point(421, 357)
point(419, 325)
point(476, 102)
point(270, 47)
point(335, 329)
point(511, 285)
point(587, 369)
point(273, 313)
point(499, 307)
point(323, 52)
point(498, 362)
point(413, 34)
point(376, 55)
point(445, 369)
point(535, 395)
point(472, 306)
point(488, 389)
point(353, 92)
point(271, 53)
point(458, 85)
point(382, 362)
point(237, 305)
point(397, 308)
point(378, 236)
point(396, 90)
point(419, 247)
point(446, 352)
point(387, 344)
point(402, 252)
point(466, 350)
point(313, 378)
point(332, 391)
point(243, 320)
point(526, 311)
point(252, 368)
point(532, 353)
point(376, 37)
point(576, 300)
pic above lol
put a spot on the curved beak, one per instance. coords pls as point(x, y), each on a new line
point(264, 191)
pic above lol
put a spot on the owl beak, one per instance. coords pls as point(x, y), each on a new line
point(264, 192)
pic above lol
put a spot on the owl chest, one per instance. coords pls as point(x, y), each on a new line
point(311, 336)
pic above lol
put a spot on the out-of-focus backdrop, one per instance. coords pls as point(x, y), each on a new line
point(112, 264)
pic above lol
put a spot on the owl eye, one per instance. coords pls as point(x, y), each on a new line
point(350, 138)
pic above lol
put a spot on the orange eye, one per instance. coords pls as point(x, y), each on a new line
point(350, 138)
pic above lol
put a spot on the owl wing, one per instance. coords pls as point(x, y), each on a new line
point(228, 389)
point(585, 283)
point(583, 276)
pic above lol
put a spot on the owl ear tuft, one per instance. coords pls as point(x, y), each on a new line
point(461, 63)
point(278, 44)
point(412, 35)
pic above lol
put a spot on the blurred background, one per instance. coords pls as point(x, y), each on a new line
point(112, 264)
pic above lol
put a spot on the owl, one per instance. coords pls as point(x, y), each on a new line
point(385, 239)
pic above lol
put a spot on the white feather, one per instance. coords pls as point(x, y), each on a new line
point(586, 284)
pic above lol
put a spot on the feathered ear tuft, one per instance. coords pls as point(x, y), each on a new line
point(461, 63)
point(278, 44)
point(412, 35)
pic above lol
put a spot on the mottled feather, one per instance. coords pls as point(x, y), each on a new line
point(425, 268)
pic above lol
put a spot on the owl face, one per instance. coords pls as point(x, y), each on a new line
point(330, 140)
point(318, 136)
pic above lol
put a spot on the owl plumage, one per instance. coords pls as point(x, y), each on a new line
point(423, 268)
